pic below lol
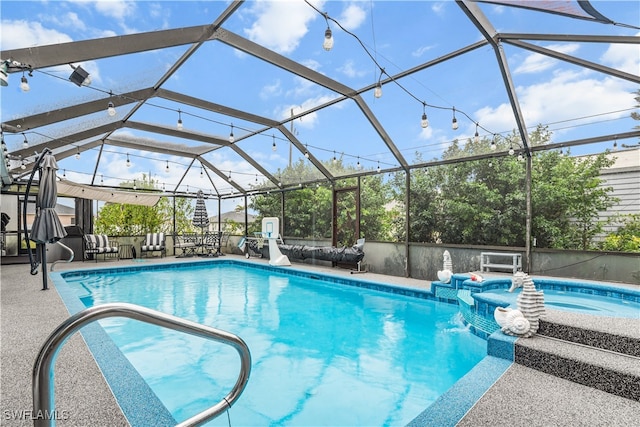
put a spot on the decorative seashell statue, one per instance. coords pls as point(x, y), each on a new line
point(445, 274)
point(523, 322)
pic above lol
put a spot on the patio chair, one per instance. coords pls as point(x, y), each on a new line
point(96, 244)
point(187, 243)
point(211, 243)
point(154, 242)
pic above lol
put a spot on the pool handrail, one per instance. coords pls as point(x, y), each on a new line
point(43, 393)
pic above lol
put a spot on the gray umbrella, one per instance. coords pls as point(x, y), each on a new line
point(47, 227)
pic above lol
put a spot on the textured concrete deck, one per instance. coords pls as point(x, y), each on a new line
point(520, 397)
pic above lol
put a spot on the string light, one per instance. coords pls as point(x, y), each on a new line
point(128, 161)
point(511, 150)
point(493, 145)
point(25, 143)
point(454, 122)
point(335, 160)
point(231, 137)
point(24, 83)
point(273, 146)
point(78, 153)
point(167, 168)
point(328, 36)
point(424, 122)
point(377, 92)
point(476, 137)
point(179, 125)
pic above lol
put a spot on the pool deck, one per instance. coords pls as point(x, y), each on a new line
point(521, 396)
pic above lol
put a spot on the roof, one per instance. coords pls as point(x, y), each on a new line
point(255, 93)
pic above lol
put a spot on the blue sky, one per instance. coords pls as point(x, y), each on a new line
point(575, 102)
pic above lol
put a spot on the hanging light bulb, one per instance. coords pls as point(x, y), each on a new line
point(476, 137)
point(378, 167)
point(167, 168)
point(64, 173)
point(135, 187)
point(454, 122)
point(273, 146)
point(111, 109)
point(377, 92)
point(256, 179)
point(359, 165)
point(201, 173)
point(520, 157)
point(615, 145)
point(511, 150)
point(78, 153)
point(25, 143)
point(424, 122)
point(230, 179)
point(23, 165)
point(101, 179)
point(328, 36)
point(179, 124)
point(231, 137)
point(24, 84)
point(328, 40)
point(128, 161)
point(493, 145)
point(163, 187)
point(335, 160)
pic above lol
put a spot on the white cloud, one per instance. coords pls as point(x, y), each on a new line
point(624, 57)
point(565, 96)
point(280, 25)
point(349, 70)
point(118, 9)
point(421, 51)
point(537, 62)
point(352, 17)
point(272, 90)
point(438, 8)
point(20, 34)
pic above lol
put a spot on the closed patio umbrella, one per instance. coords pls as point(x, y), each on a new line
point(47, 227)
point(200, 216)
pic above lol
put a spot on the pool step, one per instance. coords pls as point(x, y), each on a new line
point(598, 352)
point(617, 341)
point(604, 370)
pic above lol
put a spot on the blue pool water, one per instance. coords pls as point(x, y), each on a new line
point(322, 353)
point(578, 302)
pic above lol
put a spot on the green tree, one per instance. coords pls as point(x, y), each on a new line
point(116, 219)
point(483, 201)
point(627, 237)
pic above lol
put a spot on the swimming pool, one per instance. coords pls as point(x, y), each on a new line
point(323, 353)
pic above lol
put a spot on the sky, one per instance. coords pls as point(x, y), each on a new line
point(393, 36)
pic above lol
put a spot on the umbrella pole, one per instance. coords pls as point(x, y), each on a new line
point(43, 259)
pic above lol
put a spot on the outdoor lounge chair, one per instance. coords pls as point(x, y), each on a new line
point(152, 243)
point(95, 244)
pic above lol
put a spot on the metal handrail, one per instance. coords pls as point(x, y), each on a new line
point(43, 394)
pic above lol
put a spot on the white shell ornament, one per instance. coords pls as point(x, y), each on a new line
point(512, 322)
point(445, 274)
